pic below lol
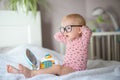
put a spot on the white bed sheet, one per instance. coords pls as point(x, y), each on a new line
point(97, 69)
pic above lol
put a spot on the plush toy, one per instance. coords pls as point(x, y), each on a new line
point(47, 61)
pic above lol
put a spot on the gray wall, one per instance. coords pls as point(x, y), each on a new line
point(56, 9)
point(59, 8)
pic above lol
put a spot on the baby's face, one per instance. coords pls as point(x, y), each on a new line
point(72, 29)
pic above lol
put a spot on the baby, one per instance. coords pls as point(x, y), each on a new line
point(76, 35)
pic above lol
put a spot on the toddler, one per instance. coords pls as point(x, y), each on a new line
point(76, 35)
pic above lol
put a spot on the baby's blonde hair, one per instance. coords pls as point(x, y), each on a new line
point(76, 17)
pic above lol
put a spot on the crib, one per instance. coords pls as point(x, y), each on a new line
point(105, 45)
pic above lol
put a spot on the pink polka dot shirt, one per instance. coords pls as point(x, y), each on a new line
point(77, 50)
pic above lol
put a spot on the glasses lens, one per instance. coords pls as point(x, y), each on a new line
point(62, 29)
point(68, 28)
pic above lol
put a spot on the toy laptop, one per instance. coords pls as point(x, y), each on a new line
point(32, 60)
point(46, 62)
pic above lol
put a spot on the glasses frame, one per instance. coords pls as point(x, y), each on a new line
point(64, 28)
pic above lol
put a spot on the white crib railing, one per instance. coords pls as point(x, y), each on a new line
point(105, 45)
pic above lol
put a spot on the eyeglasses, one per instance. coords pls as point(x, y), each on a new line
point(68, 28)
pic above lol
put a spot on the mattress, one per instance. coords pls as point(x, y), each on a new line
point(96, 69)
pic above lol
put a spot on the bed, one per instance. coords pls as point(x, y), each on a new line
point(18, 32)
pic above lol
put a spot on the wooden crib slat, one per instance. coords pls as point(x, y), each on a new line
point(115, 47)
point(112, 47)
point(98, 48)
point(91, 48)
point(103, 47)
point(108, 43)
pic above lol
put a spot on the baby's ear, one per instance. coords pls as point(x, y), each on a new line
point(79, 30)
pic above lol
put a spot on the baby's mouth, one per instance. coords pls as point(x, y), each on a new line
point(67, 36)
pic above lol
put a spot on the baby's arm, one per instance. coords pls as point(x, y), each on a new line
point(60, 37)
point(86, 34)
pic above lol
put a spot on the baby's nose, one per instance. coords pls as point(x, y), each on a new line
point(65, 34)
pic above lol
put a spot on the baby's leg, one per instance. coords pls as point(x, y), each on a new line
point(11, 69)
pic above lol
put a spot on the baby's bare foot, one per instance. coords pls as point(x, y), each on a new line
point(11, 69)
point(24, 70)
